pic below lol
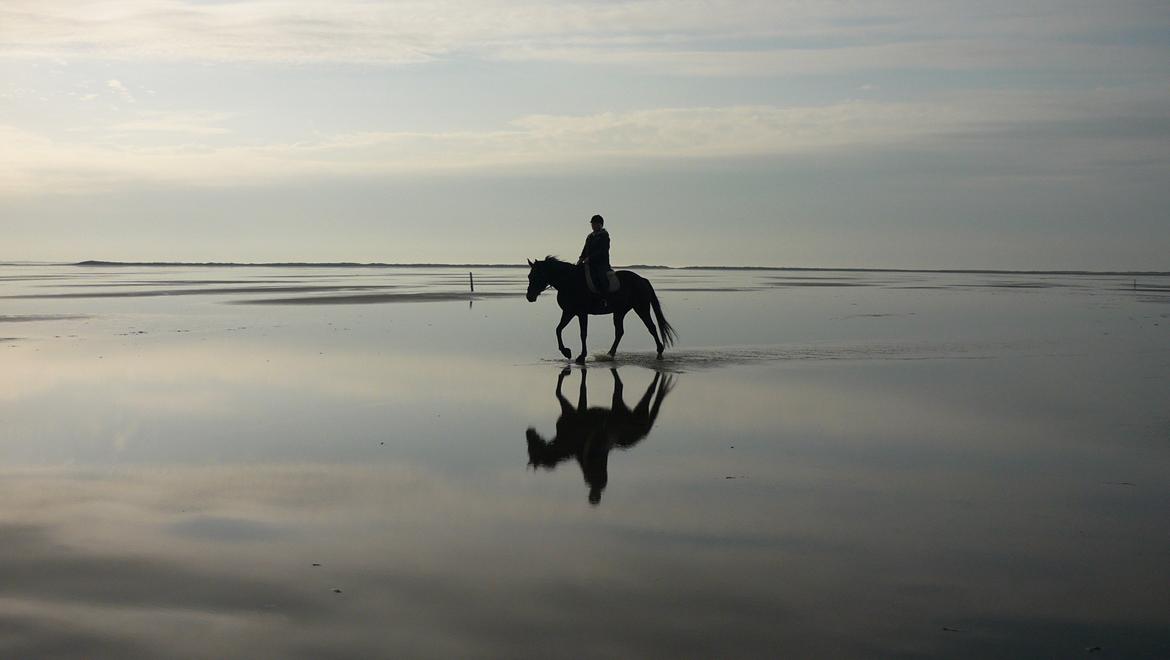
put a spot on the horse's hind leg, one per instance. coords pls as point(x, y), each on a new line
point(619, 329)
point(644, 314)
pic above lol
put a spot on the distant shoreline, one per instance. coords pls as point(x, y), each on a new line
point(96, 263)
point(347, 264)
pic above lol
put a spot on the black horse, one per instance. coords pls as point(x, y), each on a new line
point(589, 434)
point(575, 299)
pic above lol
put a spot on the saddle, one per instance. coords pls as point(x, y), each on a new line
point(610, 277)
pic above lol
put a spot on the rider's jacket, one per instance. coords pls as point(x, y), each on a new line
point(597, 249)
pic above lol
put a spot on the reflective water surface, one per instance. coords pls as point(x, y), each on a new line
point(373, 462)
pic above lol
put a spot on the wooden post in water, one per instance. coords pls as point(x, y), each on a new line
point(471, 278)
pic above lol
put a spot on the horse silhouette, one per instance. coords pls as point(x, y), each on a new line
point(575, 299)
point(589, 434)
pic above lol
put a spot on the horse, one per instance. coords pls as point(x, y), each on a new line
point(575, 299)
point(588, 434)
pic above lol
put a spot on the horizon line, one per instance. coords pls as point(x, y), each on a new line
point(352, 264)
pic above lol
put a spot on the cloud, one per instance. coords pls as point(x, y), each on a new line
point(189, 123)
point(585, 141)
point(573, 141)
point(752, 37)
point(120, 90)
point(931, 54)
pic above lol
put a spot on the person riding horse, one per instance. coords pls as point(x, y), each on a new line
point(631, 293)
point(595, 256)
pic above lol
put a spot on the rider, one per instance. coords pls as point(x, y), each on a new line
point(595, 255)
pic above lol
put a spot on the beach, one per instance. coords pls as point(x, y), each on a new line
point(374, 461)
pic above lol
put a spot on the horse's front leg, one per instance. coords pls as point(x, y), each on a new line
point(583, 319)
point(566, 316)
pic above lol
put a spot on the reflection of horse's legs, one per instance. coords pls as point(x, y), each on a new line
point(583, 394)
point(644, 313)
point(566, 407)
point(565, 316)
point(619, 329)
point(643, 407)
point(664, 388)
point(583, 319)
point(618, 402)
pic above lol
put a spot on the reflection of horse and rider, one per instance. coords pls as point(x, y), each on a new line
point(589, 434)
point(590, 287)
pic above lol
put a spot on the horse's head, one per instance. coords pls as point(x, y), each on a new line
point(537, 279)
point(538, 452)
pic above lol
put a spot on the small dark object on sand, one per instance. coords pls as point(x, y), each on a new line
point(315, 564)
point(945, 629)
point(337, 591)
point(1093, 649)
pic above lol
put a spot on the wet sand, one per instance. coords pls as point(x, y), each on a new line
point(380, 298)
point(960, 465)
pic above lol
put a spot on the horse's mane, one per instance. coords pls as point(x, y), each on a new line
point(553, 261)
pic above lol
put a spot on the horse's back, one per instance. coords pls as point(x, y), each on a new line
point(629, 276)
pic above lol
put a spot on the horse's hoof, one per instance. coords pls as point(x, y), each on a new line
point(565, 352)
point(659, 356)
point(580, 359)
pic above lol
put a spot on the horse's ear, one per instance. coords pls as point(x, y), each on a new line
point(529, 263)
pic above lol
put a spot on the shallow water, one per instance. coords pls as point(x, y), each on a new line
point(829, 464)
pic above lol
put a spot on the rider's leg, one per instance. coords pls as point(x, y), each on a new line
point(601, 283)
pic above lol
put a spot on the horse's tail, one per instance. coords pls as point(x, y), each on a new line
point(668, 333)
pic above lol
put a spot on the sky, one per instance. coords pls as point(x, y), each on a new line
point(1030, 134)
